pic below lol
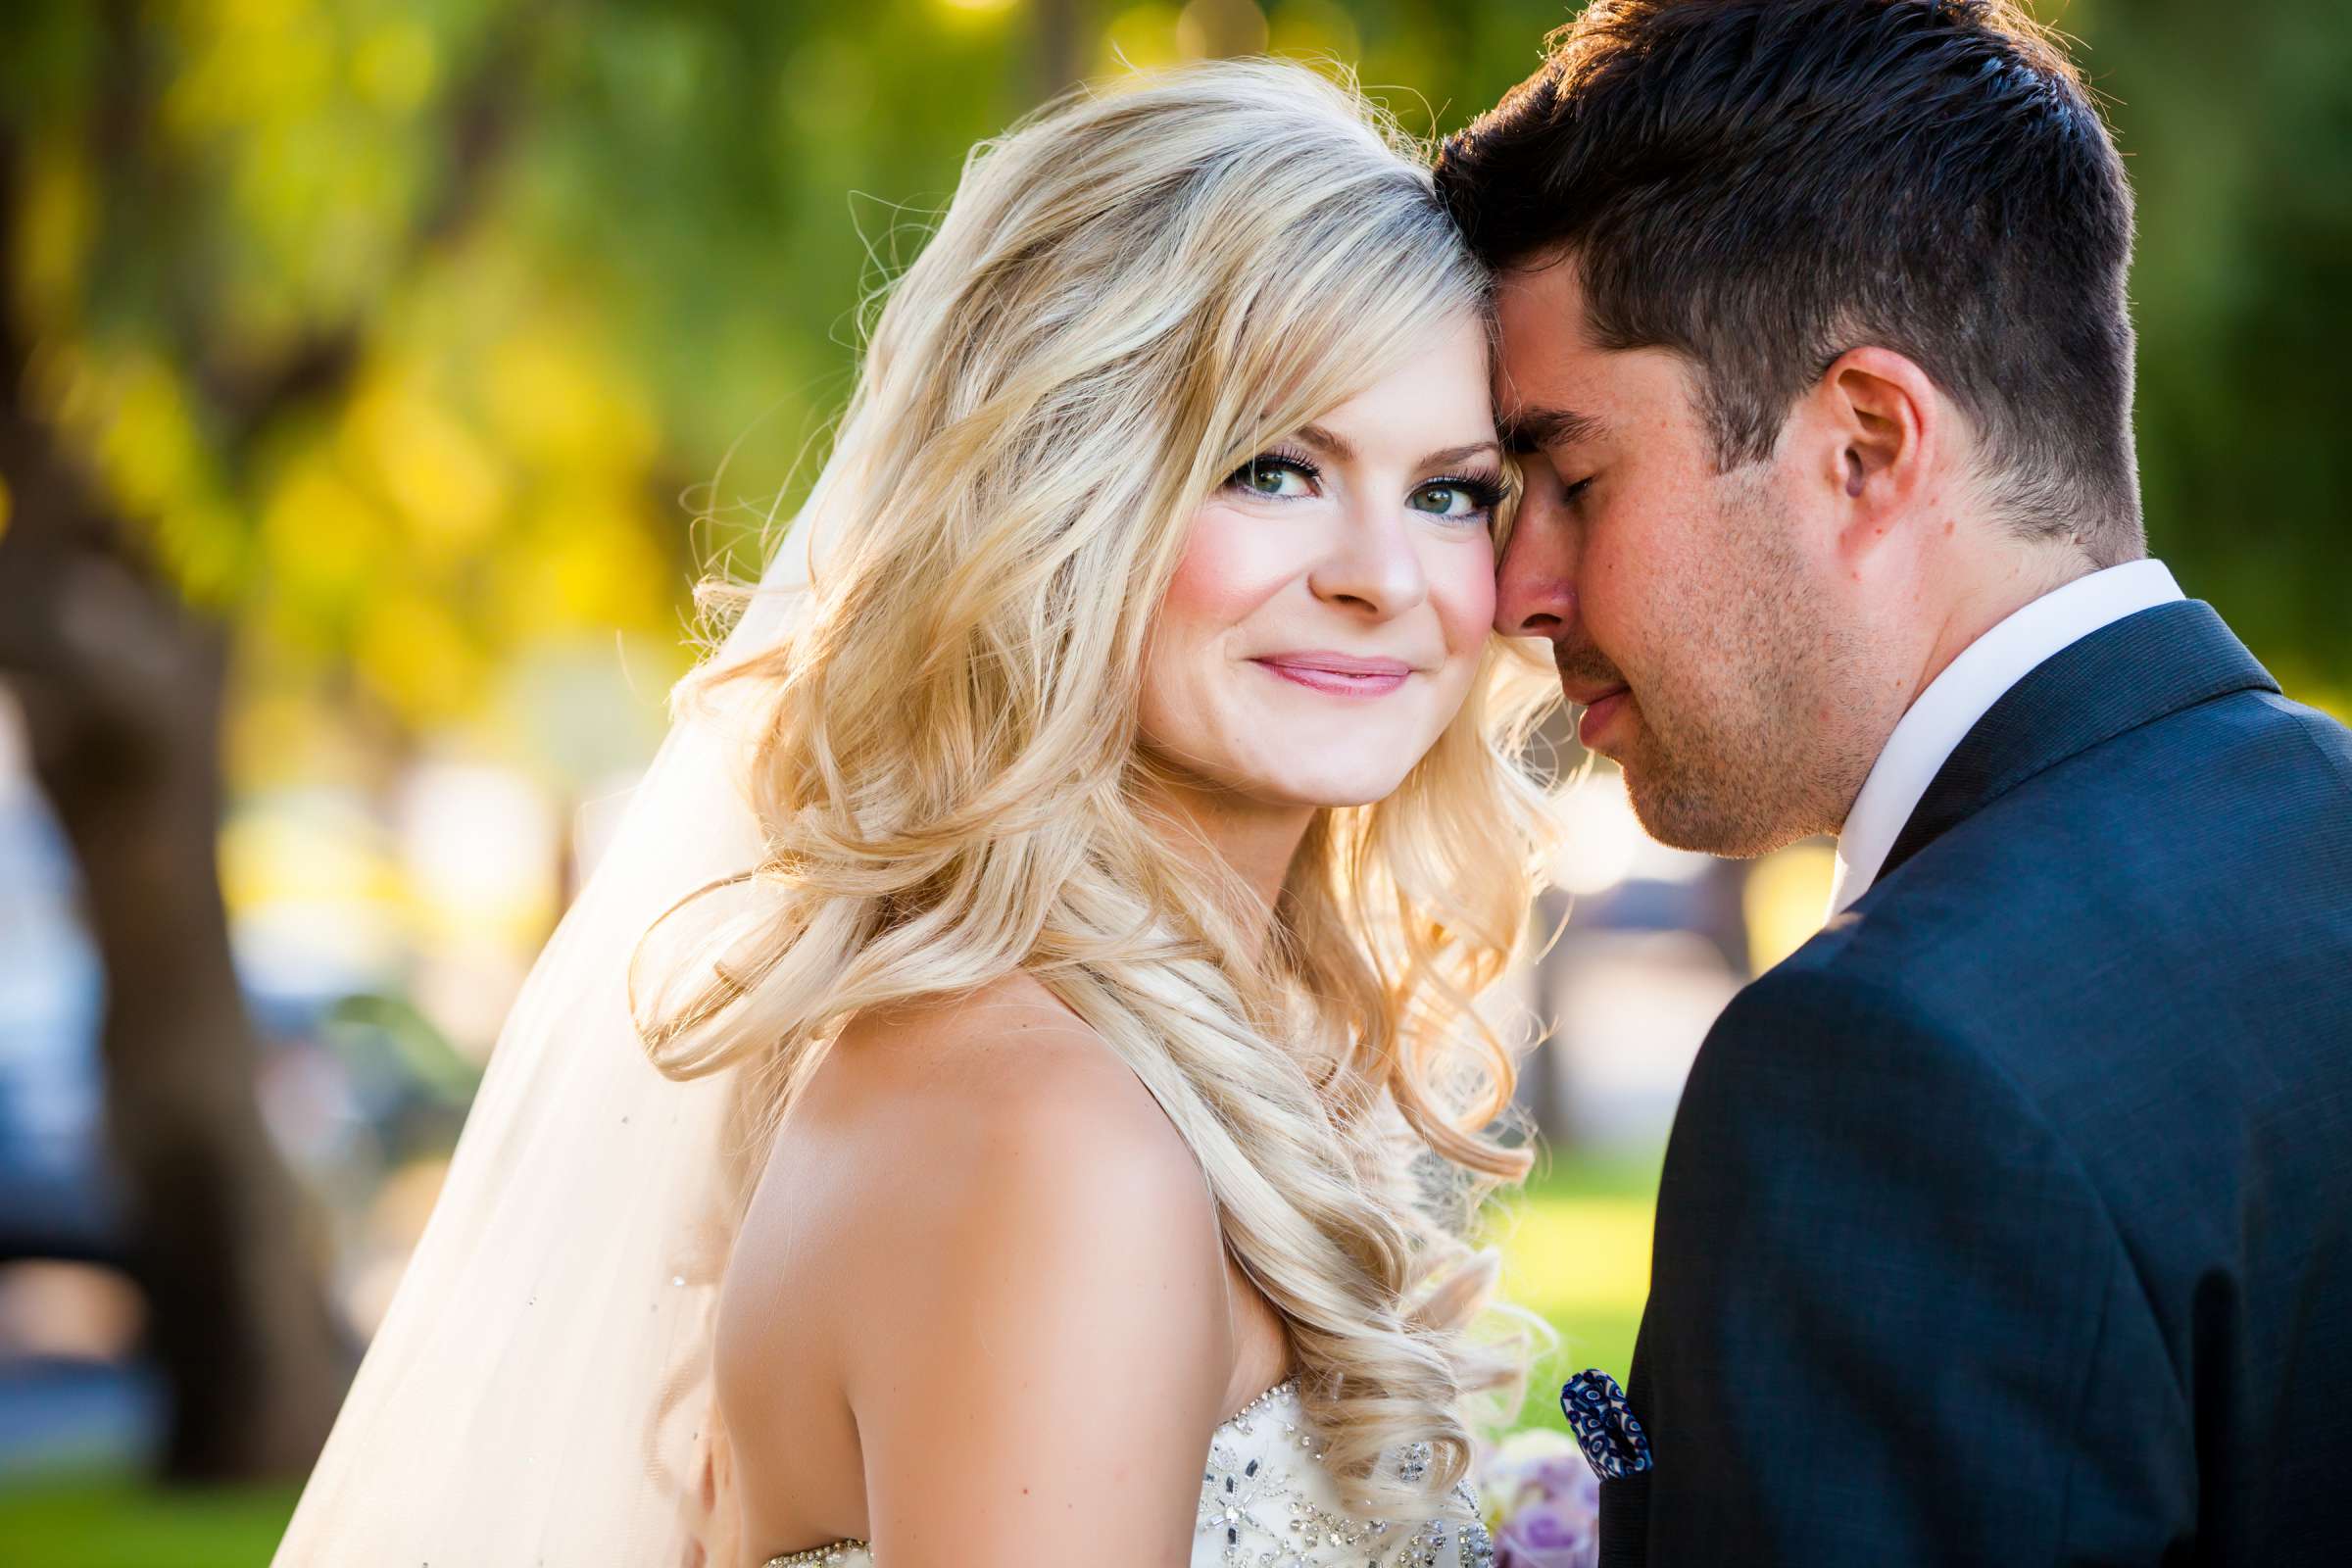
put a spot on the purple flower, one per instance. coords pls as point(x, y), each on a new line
point(1540, 1498)
point(1548, 1535)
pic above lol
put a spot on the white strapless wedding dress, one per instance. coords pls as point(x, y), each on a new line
point(1266, 1500)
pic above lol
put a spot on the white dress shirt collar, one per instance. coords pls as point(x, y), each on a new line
point(1943, 715)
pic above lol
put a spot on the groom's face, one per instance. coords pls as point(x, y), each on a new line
point(1691, 610)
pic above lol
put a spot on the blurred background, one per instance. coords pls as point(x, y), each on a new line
point(374, 377)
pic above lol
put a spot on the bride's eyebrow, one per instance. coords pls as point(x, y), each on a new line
point(1450, 456)
point(1330, 443)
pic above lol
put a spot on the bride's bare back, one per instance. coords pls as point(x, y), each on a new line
point(979, 1304)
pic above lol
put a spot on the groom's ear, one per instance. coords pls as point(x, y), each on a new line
point(1875, 442)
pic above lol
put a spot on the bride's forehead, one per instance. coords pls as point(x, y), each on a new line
point(1438, 398)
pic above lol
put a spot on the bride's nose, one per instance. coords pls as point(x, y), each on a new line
point(1371, 567)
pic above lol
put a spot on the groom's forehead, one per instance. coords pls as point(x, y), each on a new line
point(1555, 386)
point(1539, 312)
point(1544, 391)
point(1543, 299)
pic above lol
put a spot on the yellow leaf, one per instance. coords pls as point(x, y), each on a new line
point(442, 479)
point(54, 226)
point(394, 66)
point(417, 656)
point(1139, 38)
point(324, 542)
point(559, 406)
point(1319, 28)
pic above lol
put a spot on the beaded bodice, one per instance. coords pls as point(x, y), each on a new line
point(1267, 1500)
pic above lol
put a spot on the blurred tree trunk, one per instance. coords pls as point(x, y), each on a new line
point(1065, 27)
point(121, 688)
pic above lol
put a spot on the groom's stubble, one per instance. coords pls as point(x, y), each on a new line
point(1748, 734)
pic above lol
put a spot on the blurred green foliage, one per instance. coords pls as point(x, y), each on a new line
point(413, 332)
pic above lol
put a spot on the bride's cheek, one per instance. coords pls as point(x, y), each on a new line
point(1226, 571)
point(1465, 596)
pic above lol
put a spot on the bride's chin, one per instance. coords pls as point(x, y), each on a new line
point(1331, 766)
point(1327, 790)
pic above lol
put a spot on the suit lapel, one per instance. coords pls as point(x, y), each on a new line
point(2117, 678)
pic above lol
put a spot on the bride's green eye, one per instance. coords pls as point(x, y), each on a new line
point(1276, 478)
point(1467, 500)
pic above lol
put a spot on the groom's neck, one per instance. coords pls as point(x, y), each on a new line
point(1957, 591)
point(1966, 591)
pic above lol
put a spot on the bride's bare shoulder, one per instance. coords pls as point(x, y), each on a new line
point(985, 1167)
point(989, 1084)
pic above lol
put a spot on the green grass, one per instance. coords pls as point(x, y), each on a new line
point(117, 1522)
point(1576, 1250)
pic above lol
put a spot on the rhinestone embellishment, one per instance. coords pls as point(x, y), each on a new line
point(1267, 1502)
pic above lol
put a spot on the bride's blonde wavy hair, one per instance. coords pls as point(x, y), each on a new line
point(1126, 298)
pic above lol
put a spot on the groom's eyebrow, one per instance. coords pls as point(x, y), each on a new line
point(1540, 429)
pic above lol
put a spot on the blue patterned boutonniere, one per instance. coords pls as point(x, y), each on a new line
point(1605, 1427)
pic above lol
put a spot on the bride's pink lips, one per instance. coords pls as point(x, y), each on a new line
point(1338, 675)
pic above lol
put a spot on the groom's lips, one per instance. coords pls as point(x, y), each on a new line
point(1602, 704)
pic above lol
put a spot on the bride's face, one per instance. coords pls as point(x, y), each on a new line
point(1334, 594)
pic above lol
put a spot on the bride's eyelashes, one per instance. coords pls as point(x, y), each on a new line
point(1475, 497)
point(1277, 476)
point(1281, 475)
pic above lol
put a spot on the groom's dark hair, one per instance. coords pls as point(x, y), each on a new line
point(1763, 184)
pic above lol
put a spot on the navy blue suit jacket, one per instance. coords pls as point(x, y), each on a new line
point(2010, 1221)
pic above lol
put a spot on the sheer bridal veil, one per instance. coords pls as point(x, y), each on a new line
point(539, 1391)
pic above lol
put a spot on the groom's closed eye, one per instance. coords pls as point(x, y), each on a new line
point(1541, 474)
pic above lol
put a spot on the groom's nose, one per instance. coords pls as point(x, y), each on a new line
point(1533, 586)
